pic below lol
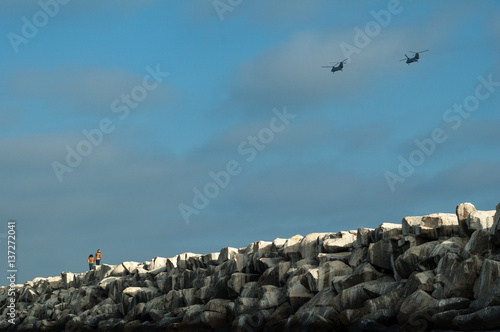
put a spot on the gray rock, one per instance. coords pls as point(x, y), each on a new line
point(278, 243)
point(489, 274)
point(342, 242)
point(431, 226)
point(480, 220)
point(444, 320)
point(358, 256)
point(226, 254)
point(280, 315)
point(238, 280)
point(354, 297)
point(379, 254)
point(270, 277)
point(413, 303)
point(484, 319)
point(215, 314)
point(157, 262)
point(362, 273)
point(192, 315)
point(462, 211)
point(210, 259)
point(322, 277)
point(291, 248)
point(385, 301)
point(387, 231)
point(410, 260)
point(419, 280)
point(188, 260)
point(458, 276)
point(480, 243)
point(250, 290)
point(364, 237)
point(310, 245)
point(245, 305)
point(339, 256)
point(495, 228)
point(269, 297)
point(296, 294)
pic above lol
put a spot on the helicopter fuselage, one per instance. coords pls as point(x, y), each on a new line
point(414, 59)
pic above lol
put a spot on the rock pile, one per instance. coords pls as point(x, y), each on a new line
point(439, 271)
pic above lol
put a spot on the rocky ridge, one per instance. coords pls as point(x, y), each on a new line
point(435, 272)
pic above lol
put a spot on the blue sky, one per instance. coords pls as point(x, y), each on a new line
point(224, 84)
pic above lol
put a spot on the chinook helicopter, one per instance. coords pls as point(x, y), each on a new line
point(337, 66)
point(415, 57)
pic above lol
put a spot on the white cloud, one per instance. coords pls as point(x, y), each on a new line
point(88, 90)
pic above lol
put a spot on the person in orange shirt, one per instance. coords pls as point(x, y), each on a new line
point(91, 262)
point(98, 257)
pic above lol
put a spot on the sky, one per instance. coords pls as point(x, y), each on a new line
point(155, 128)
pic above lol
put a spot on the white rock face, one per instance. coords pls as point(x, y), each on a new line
point(342, 242)
point(431, 226)
point(439, 270)
point(310, 245)
point(291, 247)
point(480, 220)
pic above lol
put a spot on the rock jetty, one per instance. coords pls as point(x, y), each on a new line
point(435, 272)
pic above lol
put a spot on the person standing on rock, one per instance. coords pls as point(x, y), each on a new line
point(91, 262)
point(98, 257)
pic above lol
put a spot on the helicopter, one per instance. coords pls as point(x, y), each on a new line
point(415, 57)
point(337, 66)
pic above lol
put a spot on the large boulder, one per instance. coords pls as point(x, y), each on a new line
point(457, 276)
point(339, 256)
point(386, 301)
point(269, 297)
point(291, 247)
point(382, 253)
point(310, 245)
point(157, 262)
point(387, 231)
point(490, 272)
point(482, 320)
point(354, 297)
point(495, 228)
point(215, 314)
point(410, 260)
point(480, 220)
point(431, 226)
point(364, 237)
point(362, 273)
point(318, 314)
point(238, 280)
point(463, 211)
point(343, 241)
point(322, 277)
point(296, 294)
point(480, 243)
point(357, 256)
point(413, 303)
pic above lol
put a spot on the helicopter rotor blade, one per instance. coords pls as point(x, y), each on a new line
point(326, 66)
point(419, 51)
